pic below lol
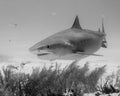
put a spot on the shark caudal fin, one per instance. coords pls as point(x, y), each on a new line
point(76, 23)
point(104, 42)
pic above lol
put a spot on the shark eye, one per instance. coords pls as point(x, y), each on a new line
point(48, 46)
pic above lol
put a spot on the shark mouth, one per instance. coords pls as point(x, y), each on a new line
point(42, 54)
point(39, 52)
point(45, 53)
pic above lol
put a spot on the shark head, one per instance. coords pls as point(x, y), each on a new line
point(55, 44)
point(72, 41)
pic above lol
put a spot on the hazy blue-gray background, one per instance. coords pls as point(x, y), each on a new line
point(25, 22)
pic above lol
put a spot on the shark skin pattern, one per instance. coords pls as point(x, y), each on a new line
point(71, 44)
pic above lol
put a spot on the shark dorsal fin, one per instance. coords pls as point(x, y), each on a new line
point(76, 23)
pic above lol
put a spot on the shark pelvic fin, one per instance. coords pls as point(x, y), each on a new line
point(76, 23)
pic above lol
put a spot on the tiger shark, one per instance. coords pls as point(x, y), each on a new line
point(71, 44)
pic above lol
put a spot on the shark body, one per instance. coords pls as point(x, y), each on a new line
point(71, 43)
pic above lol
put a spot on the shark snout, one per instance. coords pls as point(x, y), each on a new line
point(39, 51)
point(34, 51)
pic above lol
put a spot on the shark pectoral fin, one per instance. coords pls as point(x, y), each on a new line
point(83, 53)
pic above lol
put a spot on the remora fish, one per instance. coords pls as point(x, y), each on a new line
point(71, 43)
